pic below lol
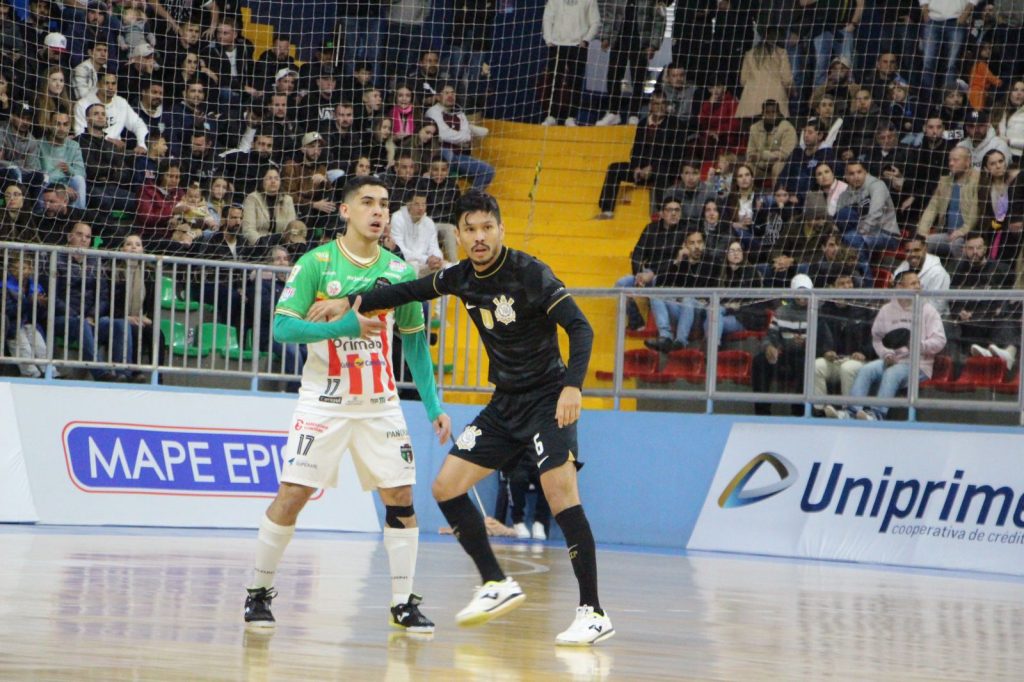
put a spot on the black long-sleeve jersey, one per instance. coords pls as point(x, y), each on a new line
point(516, 304)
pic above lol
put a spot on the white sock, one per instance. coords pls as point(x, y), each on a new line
point(402, 545)
point(270, 545)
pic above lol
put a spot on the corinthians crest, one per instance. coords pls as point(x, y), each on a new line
point(503, 311)
point(467, 439)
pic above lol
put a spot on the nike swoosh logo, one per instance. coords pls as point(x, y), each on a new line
point(542, 460)
point(470, 306)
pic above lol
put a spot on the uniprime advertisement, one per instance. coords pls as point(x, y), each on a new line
point(100, 456)
point(913, 497)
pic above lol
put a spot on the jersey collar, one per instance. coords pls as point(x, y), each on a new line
point(355, 260)
point(498, 262)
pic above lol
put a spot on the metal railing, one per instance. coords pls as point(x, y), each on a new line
point(213, 297)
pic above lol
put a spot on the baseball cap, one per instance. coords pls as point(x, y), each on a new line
point(143, 50)
point(96, 4)
point(974, 116)
point(801, 281)
point(22, 109)
point(285, 72)
point(841, 60)
point(56, 41)
point(310, 138)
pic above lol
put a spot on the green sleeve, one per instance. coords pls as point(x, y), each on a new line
point(417, 357)
point(288, 329)
point(299, 292)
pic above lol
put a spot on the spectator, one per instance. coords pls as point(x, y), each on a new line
point(82, 308)
point(979, 137)
point(859, 126)
point(424, 82)
point(569, 26)
point(360, 167)
point(403, 114)
point(658, 244)
point(690, 269)
point(158, 201)
point(53, 57)
point(456, 135)
point(150, 108)
point(134, 30)
point(324, 55)
point(304, 179)
point(246, 168)
point(997, 184)
point(1009, 119)
point(781, 360)
point(925, 165)
point(866, 217)
point(765, 76)
point(736, 315)
point(16, 224)
point(825, 111)
point(953, 109)
point(120, 115)
point(295, 238)
point(886, 159)
point(891, 335)
point(344, 142)
point(317, 109)
point(833, 22)
point(54, 219)
point(442, 192)
point(833, 260)
point(772, 140)
point(19, 149)
point(740, 208)
point(194, 210)
point(717, 231)
point(147, 167)
point(190, 113)
point(191, 69)
point(221, 196)
point(849, 346)
point(142, 69)
point(468, 59)
point(24, 306)
point(230, 58)
point(774, 223)
point(652, 159)
point(900, 108)
point(946, 30)
point(199, 163)
point(362, 79)
point(986, 328)
point(416, 235)
point(839, 84)
point(403, 182)
point(522, 480)
point(690, 192)
point(798, 172)
point(178, 240)
point(52, 98)
point(272, 284)
point(930, 271)
point(106, 170)
point(877, 81)
point(277, 58)
point(424, 145)
point(952, 211)
point(282, 124)
point(631, 32)
point(86, 74)
point(717, 125)
point(403, 34)
point(370, 109)
point(380, 147)
point(823, 203)
point(134, 293)
point(225, 244)
point(267, 211)
point(60, 158)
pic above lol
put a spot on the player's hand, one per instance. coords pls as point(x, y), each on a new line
point(570, 402)
point(328, 310)
point(443, 428)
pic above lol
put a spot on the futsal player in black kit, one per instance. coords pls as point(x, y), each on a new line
point(516, 303)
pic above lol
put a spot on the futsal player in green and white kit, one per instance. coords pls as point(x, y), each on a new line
point(348, 400)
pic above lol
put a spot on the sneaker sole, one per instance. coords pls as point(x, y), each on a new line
point(260, 624)
point(600, 638)
point(416, 629)
point(499, 610)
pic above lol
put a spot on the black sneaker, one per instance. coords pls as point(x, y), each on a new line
point(257, 607)
point(662, 344)
point(408, 617)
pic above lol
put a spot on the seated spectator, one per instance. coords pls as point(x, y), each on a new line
point(775, 221)
point(344, 142)
point(94, 25)
point(268, 210)
point(295, 239)
point(82, 308)
point(718, 129)
point(690, 192)
point(423, 146)
point(877, 81)
point(736, 315)
point(146, 167)
point(362, 79)
point(86, 75)
point(690, 269)
point(719, 176)
point(456, 135)
point(995, 187)
point(983, 328)
point(142, 70)
point(135, 30)
point(16, 224)
point(403, 181)
point(849, 346)
point(189, 114)
point(24, 306)
point(292, 356)
point(980, 137)
point(55, 217)
point(316, 111)
point(930, 271)
point(360, 167)
point(1009, 119)
point(370, 108)
point(106, 169)
point(403, 114)
point(272, 61)
point(891, 337)
point(245, 169)
point(652, 159)
point(825, 111)
point(679, 95)
point(60, 159)
point(225, 243)
point(416, 235)
point(952, 211)
point(659, 242)
point(424, 82)
point(380, 148)
point(772, 140)
point(442, 192)
point(191, 69)
point(839, 84)
point(739, 208)
point(781, 360)
point(822, 203)
point(834, 260)
point(158, 201)
point(53, 97)
point(120, 115)
point(279, 119)
point(568, 28)
point(925, 165)
point(716, 230)
point(859, 126)
point(954, 110)
point(195, 210)
point(900, 108)
point(150, 109)
point(19, 149)
point(866, 217)
point(886, 157)
point(798, 173)
point(230, 57)
point(134, 295)
point(304, 179)
point(178, 240)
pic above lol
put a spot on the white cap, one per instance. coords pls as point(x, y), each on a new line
point(142, 50)
point(285, 72)
point(801, 281)
point(56, 41)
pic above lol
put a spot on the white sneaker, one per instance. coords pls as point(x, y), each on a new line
point(866, 415)
point(570, 122)
point(609, 119)
point(604, 215)
point(980, 351)
point(633, 120)
point(549, 121)
point(479, 131)
point(833, 413)
point(1008, 354)
point(491, 600)
point(538, 531)
point(522, 532)
point(588, 628)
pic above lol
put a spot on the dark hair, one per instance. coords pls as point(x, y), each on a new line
point(974, 234)
point(93, 106)
point(475, 201)
point(856, 162)
point(916, 238)
point(227, 208)
point(898, 277)
point(357, 183)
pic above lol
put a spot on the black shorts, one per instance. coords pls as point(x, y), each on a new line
point(517, 425)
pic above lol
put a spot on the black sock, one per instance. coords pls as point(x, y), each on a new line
point(469, 529)
point(582, 553)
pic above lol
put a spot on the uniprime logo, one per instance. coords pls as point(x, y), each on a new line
point(736, 494)
point(133, 458)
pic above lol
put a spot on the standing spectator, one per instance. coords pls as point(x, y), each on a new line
point(134, 293)
point(403, 34)
point(416, 236)
point(849, 344)
point(772, 140)
point(925, 165)
point(272, 285)
point(120, 115)
point(60, 158)
point(652, 159)
point(468, 59)
point(569, 26)
point(834, 21)
point(945, 26)
point(631, 32)
point(866, 216)
point(982, 78)
point(456, 135)
point(266, 211)
point(766, 77)
point(891, 337)
point(690, 269)
point(658, 244)
point(158, 201)
point(717, 125)
point(952, 211)
point(929, 269)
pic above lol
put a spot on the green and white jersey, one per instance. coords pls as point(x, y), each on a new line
point(350, 377)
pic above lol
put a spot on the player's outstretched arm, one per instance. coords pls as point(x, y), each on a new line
point(568, 315)
point(385, 298)
point(291, 329)
point(417, 357)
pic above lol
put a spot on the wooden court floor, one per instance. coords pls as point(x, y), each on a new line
point(132, 604)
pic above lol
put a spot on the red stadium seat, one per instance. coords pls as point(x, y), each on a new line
point(734, 365)
point(978, 373)
point(685, 364)
point(941, 372)
point(648, 332)
point(1011, 388)
point(882, 279)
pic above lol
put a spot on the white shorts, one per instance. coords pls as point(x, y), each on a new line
point(380, 447)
